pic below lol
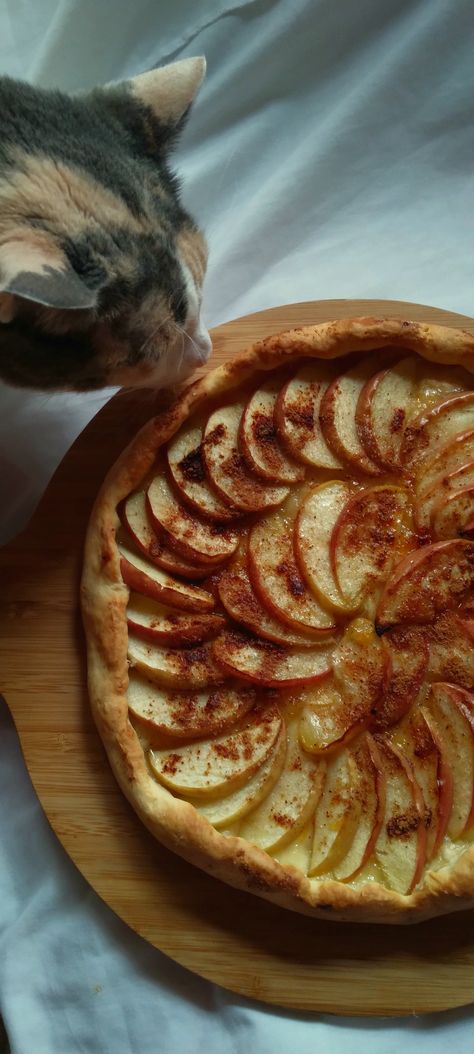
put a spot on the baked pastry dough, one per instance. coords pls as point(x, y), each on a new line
point(279, 610)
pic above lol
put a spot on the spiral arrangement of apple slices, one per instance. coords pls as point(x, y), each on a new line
point(301, 616)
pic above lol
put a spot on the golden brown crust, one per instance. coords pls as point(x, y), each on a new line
point(104, 599)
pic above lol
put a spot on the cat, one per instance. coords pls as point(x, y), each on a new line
point(101, 268)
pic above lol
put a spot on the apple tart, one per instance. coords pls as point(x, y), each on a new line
point(279, 610)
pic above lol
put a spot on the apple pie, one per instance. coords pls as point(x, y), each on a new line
point(279, 610)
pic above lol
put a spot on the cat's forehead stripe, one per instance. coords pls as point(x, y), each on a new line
point(53, 190)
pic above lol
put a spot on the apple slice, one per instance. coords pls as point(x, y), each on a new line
point(400, 848)
point(427, 582)
point(291, 802)
point(407, 662)
point(297, 416)
point(453, 513)
point(337, 814)
point(335, 712)
point(457, 452)
point(368, 790)
point(337, 416)
point(452, 724)
point(222, 812)
point(227, 469)
point(163, 625)
point(258, 438)
point(276, 578)
point(434, 428)
point(261, 662)
point(451, 649)
point(243, 605)
point(213, 767)
point(369, 537)
point(382, 412)
point(135, 520)
point(443, 487)
point(420, 749)
point(188, 471)
point(175, 667)
point(187, 714)
point(150, 581)
point(195, 538)
point(327, 724)
point(318, 514)
point(437, 383)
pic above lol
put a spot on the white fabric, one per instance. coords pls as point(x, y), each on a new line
point(331, 154)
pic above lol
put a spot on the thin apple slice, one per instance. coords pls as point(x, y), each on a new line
point(175, 667)
point(400, 848)
point(213, 767)
point(371, 534)
point(265, 663)
point(337, 416)
point(276, 578)
point(453, 455)
point(327, 723)
point(162, 625)
point(227, 469)
point(427, 582)
point(383, 411)
point(187, 715)
point(368, 789)
point(193, 537)
point(419, 747)
point(407, 662)
point(297, 416)
point(188, 471)
point(335, 712)
point(437, 383)
point(258, 438)
point(453, 513)
point(291, 802)
point(136, 522)
point(441, 490)
point(141, 576)
point(428, 433)
point(222, 812)
point(243, 605)
point(318, 514)
point(445, 712)
point(451, 649)
point(337, 814)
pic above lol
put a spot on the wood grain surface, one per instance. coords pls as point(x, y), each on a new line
point(237, 940)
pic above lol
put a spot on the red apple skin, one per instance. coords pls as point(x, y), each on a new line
point(413, 431)
point(141, 583)
point(156, 551)
point(420, 808)
point(381, 784)
point(408, 565)
point(203, 628)
point(445, 785)
point(465, 703)
point(327, 421)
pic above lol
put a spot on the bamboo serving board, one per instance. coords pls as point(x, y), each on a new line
point(237, 940)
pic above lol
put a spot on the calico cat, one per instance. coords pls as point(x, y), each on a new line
point(101, 268)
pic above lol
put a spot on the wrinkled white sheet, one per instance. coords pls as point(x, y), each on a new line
point(331, 154)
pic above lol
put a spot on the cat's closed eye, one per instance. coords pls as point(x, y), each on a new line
point(101, 268)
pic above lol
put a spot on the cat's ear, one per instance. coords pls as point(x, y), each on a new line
point(164, 97)
point(169, 91)
point(32, 269)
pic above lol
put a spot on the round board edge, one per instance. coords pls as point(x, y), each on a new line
point(273, 320)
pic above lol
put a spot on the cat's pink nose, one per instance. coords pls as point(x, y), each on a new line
point(199, 344)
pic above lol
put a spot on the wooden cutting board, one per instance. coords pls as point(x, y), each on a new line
point(237, 940)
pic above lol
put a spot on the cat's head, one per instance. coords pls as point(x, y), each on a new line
point(101, 269)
